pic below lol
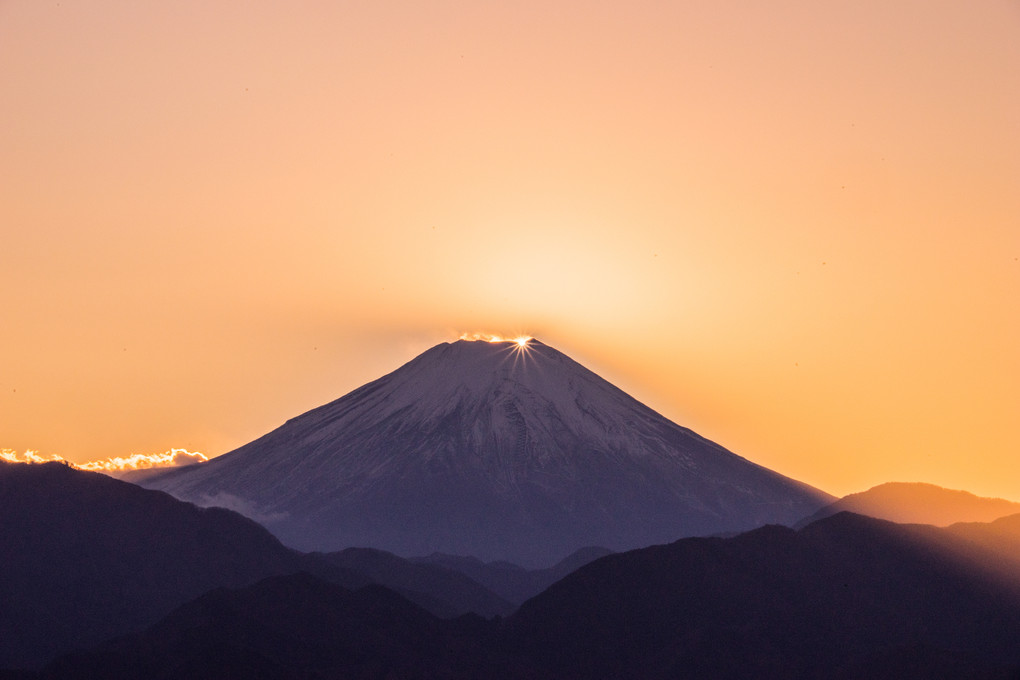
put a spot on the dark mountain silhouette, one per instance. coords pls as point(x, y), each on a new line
point(86, 557)
point(846, 597)
point(993, 547)
point(491, 450)
point(453, 592)
point(294, 626)
point(919, 503)
point(510, 581)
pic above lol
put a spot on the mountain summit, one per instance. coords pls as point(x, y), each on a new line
point(501, 450)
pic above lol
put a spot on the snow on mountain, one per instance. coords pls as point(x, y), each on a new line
point(491, 449)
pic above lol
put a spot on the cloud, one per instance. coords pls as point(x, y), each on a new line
point(142, 461)
point(249, 509)
point(136, 461)
point(29, 456)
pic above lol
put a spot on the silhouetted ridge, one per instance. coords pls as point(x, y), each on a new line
point(513, 582)
point(456, 593)
point(919, 503)
point(847, 597)
point(294, 626)
point(87, 557)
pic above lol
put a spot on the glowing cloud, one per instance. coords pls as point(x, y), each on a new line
point(141, 461)
point(137, 461)
point(30, 456)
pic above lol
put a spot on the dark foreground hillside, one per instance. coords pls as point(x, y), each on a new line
point(294, 626)
point(846, 597)
point(85, 558)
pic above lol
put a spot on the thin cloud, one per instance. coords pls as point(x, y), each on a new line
point(29, 456)
point(136, 461)
point(142, 461)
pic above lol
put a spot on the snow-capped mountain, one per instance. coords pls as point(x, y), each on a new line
point(492, 449)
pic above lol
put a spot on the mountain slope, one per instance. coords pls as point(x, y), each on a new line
point(919, 503)
point(847, 596)
point(84, 557)
point(293, 626)
point(492, 450)
point(455, 592)
point(510, 581)
point(87, 557)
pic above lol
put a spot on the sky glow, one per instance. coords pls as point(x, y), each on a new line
point(789, 227)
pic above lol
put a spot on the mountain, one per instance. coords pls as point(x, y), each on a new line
point(294, 626)
point(86, 557)
point(992, 546)
point(510, 581)
point(454, 592)
point(845, 597)
point(496, 450)
point(848, 597)
point(918, 503)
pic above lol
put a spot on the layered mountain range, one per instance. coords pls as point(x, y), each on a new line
point(847, 597)
point(84, 558)
point(498, 450)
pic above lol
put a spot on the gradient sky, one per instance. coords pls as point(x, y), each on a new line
point(793, 227)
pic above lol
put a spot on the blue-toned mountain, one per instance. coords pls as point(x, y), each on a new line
point(495, 450)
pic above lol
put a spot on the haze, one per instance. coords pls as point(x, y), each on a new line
point(791, 227)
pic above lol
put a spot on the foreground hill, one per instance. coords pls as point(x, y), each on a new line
point(285, 627)
point(496, 450)
point(846, 597)
point(86, 558)
point(918, 503)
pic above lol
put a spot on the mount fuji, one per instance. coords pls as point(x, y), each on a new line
point(500, 450)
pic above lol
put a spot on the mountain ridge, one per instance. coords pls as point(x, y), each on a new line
point(919, 503)
point(848, 597)
point(86, 557)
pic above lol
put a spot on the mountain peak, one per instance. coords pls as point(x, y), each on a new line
point(920, 503)
point(502, 450)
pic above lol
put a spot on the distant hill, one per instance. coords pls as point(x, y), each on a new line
point(453, 592)
point(848, 597)
point(995, 545)
point(512, 582)
point(918, 503)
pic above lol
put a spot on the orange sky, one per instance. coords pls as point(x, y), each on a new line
point(791, 226)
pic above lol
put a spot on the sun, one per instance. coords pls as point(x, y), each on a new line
point(518, 343)
point(521, 340)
